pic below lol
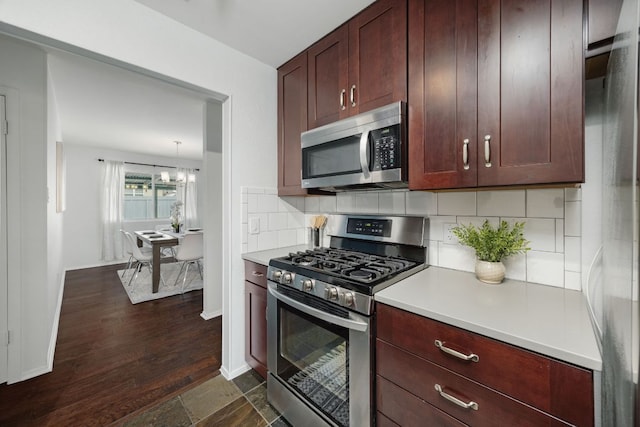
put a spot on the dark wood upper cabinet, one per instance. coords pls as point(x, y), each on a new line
point(328, 78)
point(361, 65)
point(521, 79)
point(442, 93)
point(530, 92)
point(292, 121)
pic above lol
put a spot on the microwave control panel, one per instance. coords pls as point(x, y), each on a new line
point(386, 148)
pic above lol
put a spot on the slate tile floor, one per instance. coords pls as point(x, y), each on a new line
point(216, 402)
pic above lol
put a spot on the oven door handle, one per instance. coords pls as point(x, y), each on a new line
point(355, 324)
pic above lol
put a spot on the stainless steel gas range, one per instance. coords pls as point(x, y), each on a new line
point(321, 319)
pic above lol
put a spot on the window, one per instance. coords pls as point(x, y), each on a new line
point(146, 196)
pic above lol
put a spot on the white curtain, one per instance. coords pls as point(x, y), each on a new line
point(111, 201)
point(188, 194)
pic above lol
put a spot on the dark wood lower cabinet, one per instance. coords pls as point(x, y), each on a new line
point(255, 307)
point(398, 407)
point(506, 383)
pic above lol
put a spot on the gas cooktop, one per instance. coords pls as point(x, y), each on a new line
point(348, 265)
point(366, 254)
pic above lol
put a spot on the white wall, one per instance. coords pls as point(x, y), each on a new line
point(82, 223)
point(32, 284)
point(130, 32)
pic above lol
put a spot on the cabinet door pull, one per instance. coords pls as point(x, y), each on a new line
point(257, 274)
point(352, 95)
point(487, 151)
point(473, 357)
point(465, 154)
point(343, 93)
point(466, 405)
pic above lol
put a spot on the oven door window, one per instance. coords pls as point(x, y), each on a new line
point(339, 157)
point(312, 359)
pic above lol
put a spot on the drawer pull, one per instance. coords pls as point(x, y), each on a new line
point(470, 405)
point(257, 274)
point(473, 357)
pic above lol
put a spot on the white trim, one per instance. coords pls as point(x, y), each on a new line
point(227, 247)
point(14, 217)
point(32, 373)
point(210, 315)
point(56, 322)
point(100, 264)
point(236, 373)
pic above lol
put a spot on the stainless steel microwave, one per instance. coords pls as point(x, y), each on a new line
point(364, 151)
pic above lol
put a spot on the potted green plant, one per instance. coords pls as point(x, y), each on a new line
point(491, 246)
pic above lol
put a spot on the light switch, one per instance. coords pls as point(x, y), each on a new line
point(254, 225)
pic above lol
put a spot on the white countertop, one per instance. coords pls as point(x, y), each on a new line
point(544, 319)
point(263, 257)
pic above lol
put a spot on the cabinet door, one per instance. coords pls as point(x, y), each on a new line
point(292, 121)
point(328, 69)
point(442, 94)
point(530, 92)
point(378, 56)
point(256, 327)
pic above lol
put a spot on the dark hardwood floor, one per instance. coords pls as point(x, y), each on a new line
point(113, 358)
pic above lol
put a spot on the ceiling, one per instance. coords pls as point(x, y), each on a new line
point(272, 31)
point(106, 106)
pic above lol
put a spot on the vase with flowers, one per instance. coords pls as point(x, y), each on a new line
point(491, 246)
point(176, 215)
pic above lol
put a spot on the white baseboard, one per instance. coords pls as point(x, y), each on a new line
point(100, 264)
point(211, 314)
point(231, 375)
point(56, 322)
point(35, 372)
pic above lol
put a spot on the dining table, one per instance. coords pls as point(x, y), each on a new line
point(156, 239)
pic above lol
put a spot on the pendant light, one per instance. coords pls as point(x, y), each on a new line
point(180, 176)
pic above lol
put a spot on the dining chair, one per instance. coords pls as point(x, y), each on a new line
point(129, 252)
point(141, 258)
point(189, 252)
point(166, 251)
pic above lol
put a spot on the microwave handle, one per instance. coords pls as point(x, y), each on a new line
point(364, 153)
point(353, 323)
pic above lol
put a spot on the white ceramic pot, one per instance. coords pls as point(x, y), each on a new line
point(490, 272)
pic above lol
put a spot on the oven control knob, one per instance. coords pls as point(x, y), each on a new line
point(307, 285)
point(331, 293)
point(277, 275)
point(349, 299)
point(286, 278)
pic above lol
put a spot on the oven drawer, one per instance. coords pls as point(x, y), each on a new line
point(255, 273)
point(529, 377)
point(421, 377)
point(398, 407)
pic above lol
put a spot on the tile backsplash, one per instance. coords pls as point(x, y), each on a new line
point(552, 224)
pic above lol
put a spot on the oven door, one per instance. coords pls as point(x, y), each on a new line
point(319, 362)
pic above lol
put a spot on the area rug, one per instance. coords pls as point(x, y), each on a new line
point(140, 289)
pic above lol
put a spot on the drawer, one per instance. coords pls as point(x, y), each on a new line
point(420, 377)
point(255, 273)
point(397, 407)
point(555, 387)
